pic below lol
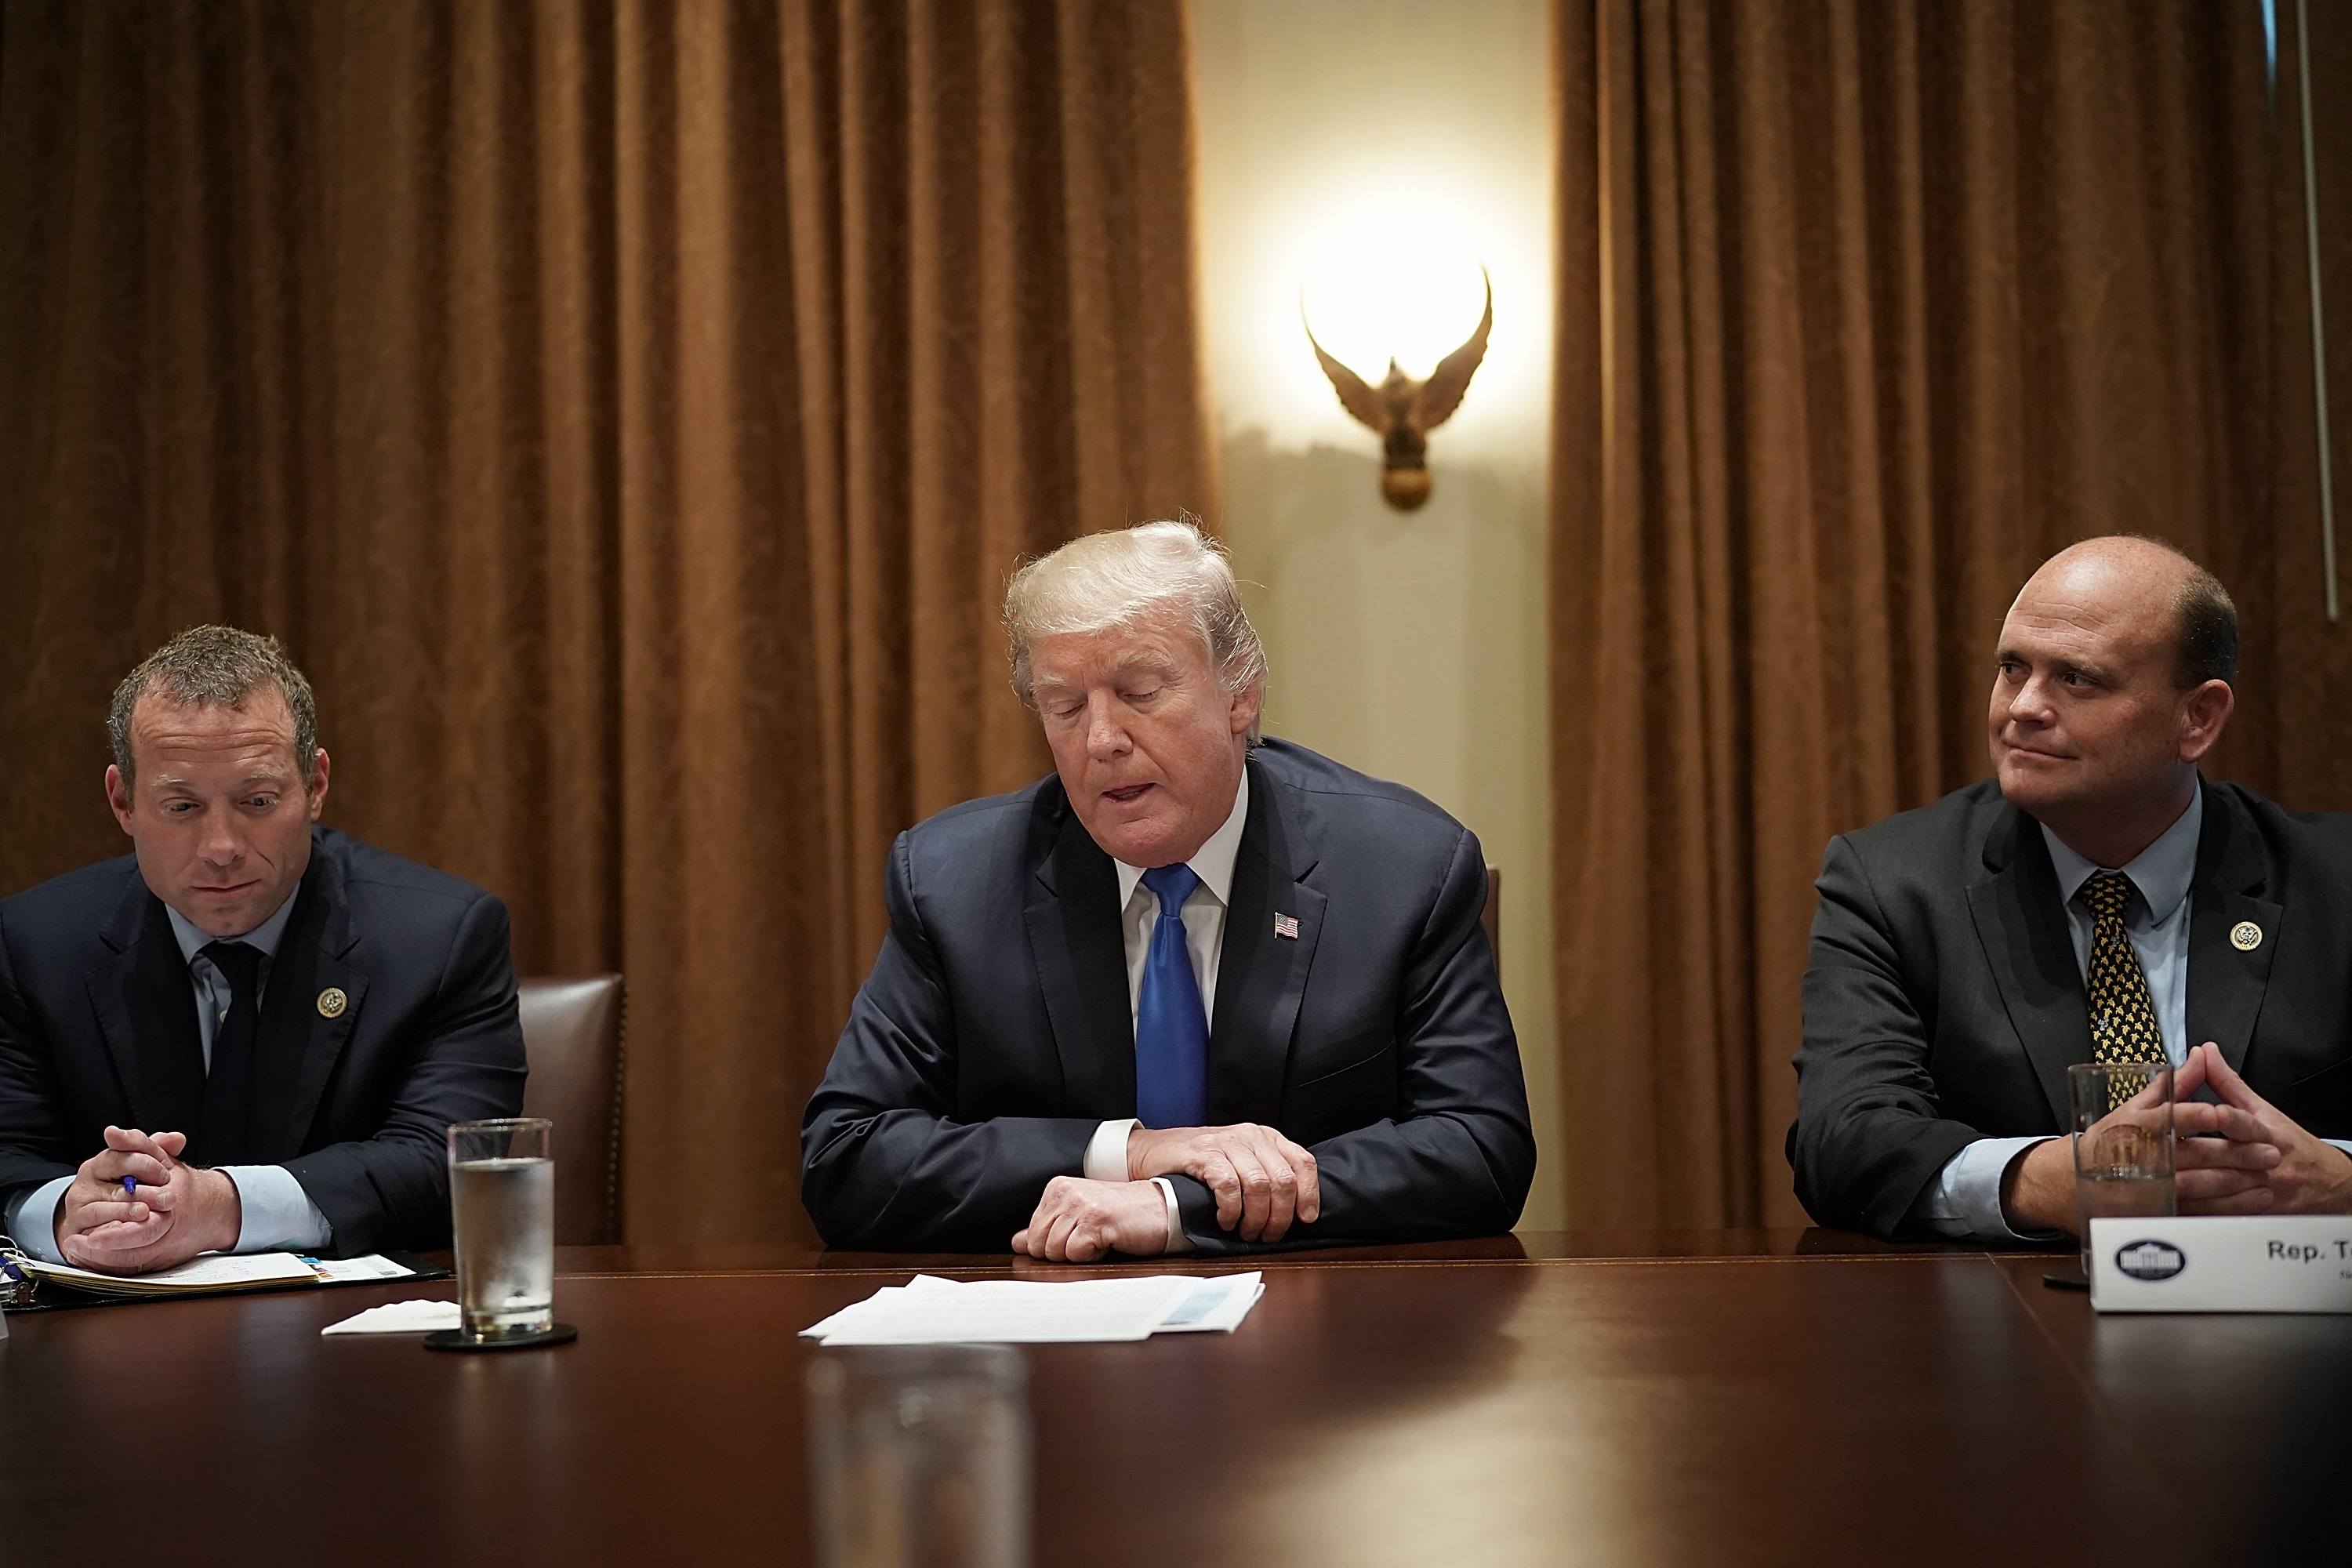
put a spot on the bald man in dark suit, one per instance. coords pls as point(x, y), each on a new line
point(1959, 949)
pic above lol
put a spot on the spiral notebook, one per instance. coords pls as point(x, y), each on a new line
point(212, 1274)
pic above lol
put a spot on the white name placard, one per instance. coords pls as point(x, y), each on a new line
point(2222, 1263)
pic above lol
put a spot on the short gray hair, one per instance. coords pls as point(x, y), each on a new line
point(215, 667)
point(1125, 577)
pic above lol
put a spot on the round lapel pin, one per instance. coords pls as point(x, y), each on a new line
point(2245, 936)
point(331, 1003)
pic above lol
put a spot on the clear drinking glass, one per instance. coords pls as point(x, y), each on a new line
point(2123, 1141)
point(920, 1455)
point(502, 1203)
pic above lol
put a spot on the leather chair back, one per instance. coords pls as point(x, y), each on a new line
point(1491, 917)
point(572, 1030)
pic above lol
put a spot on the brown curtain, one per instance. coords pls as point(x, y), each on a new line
point(1865, 310)
point(628, 413)
point(2309, 667)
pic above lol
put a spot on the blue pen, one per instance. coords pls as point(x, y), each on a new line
point(130, 1187)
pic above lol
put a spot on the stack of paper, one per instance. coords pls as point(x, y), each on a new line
point(932, 1311)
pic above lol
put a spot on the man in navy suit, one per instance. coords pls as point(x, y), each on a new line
point(1193, 992)
point(254, 1032)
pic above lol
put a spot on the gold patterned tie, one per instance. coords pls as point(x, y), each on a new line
point(2123, 1014)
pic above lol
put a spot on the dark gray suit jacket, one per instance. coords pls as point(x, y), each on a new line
point(97, 1025)
point(1944, 1003)
point(995, 1033)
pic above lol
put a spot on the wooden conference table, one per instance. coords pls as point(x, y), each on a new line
point(1691, 1397)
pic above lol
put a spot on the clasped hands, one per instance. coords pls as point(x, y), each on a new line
point(175, 1211)
point(2240, 1155)
point(1261, 1180)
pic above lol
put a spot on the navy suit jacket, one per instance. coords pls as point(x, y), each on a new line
point(1944, 1002)
point(996, 1032)
point(97, 1025)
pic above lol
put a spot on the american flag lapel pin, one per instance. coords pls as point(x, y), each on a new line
point(1286, 925)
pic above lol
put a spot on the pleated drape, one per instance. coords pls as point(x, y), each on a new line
point(1866, 309)
point(2308, 659)
point(628, 413)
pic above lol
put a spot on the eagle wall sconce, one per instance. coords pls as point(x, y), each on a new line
point(1403, 411)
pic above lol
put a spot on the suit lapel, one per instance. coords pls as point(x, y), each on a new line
point(1261, 976)
point(1074, 934)
point(2225, 984)
point(297, 1045)
point(2022, 924)
point(146, 1008)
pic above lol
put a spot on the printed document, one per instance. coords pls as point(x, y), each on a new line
point(931, 1310)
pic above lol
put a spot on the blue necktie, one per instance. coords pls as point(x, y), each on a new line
point(1172, 1028)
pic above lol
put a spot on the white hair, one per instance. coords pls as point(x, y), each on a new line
point(1157, 571)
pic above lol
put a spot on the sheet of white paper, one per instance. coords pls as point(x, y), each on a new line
point(211, 1269)
point(1216, 1305)
point(399, 1318)
point(336, 1270)
point(230, 1269)
point(1243, 1308)
point(1006, 1311)
point(824, 1326)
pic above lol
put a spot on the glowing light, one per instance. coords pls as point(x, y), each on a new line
point(1400, 282)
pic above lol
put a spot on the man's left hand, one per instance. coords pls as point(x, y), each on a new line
point(1261, 1180)
point(2311, 1176)
point(1077, 1220)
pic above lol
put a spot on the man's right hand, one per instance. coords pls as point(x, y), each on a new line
point(1079, 1221)
point(2037, 1191)
point(95, 1201)
point(2227, 1174)
point(176, 1212)
point(1261, 1180)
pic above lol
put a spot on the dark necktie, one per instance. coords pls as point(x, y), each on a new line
point(2123, 1013)
point(223, 1137)
point(1171, 1027)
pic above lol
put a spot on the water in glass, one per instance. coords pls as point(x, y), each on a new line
point(2130, 1190)
point(505, 1215)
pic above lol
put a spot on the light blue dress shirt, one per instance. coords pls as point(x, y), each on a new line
point(1964, 1201)
point(278, 1215)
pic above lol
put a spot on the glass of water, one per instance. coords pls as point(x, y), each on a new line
point(2123, 1141)
point(502, 1201)
point(919, 1456)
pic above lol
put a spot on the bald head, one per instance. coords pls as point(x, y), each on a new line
point(2113, 683)
point(2155, 588)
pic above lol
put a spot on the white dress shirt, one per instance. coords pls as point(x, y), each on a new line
point(1964, 1201)
point(277, 1213)
point(1205, 938)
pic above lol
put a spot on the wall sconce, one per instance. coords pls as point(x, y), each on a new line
point(1387, 279)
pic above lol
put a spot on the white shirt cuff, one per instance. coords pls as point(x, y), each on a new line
point(1965, 1201)
point(34, 1224)
point(1107, 1151)
point(279, 1215)
point(1177, 1240)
